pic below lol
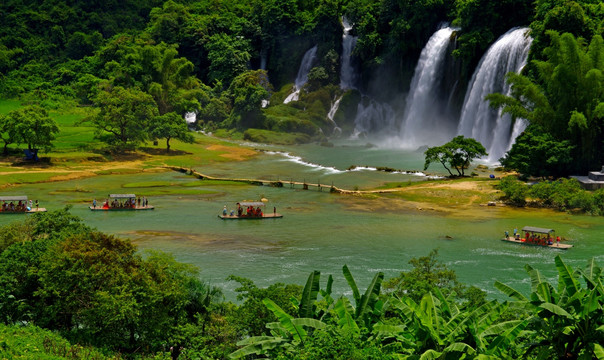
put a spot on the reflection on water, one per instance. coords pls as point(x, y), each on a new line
point(319, 231)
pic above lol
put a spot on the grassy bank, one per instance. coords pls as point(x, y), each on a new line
point(77, 154)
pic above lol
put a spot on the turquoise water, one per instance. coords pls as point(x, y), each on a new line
point(319, 231)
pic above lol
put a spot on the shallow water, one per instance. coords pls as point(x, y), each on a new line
point(319, 230)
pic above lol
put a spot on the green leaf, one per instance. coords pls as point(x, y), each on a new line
point(309, 295)
point(591, 304)
point(500, 328)
point(599, 351)
point(256, 345)
point(460, 348)
point(536, 277)
point(430, 355)
point(308, 322)
point(509, 291)
point(506, 338)
point(555, 309)
point(544, 292)
point(370, 297)
point(297, 332)
point(353, 285)
point(344, 310)
point(565, 277)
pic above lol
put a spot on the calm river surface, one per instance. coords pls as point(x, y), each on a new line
point(319, 231)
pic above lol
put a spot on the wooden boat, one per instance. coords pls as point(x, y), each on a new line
point(18, 205)
point(537, 237)
point(122, 202)
point(249, 210)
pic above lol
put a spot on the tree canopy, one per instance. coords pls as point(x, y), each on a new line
point(457, 153)
point(124, 116)
point(567, 101)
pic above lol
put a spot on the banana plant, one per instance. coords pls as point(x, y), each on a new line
point(437, 329)
point(369, 307)
point(290, 332)
point(567, 322)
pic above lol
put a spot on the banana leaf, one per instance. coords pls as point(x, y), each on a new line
point(297, 332)
point(566, 279)
point(599, 351)
point(509, 291)
point(309, 295)
point(345, 311)
point(536, 277)
point(353, 285)
point(257, 345)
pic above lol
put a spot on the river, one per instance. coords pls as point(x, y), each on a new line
point(319, 230)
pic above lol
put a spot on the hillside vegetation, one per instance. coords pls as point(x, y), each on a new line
point(225, 59)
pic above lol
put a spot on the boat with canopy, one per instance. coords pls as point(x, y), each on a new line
point(121, 202)
point(248, 210)
point(18, 204)
point(537, 237)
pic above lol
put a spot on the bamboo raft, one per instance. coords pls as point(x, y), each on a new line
point(129, 204)
point(20, 208)
point(541, 236)
point(555, 245)
point(100, 208)
point(32, 211)
point(264, 216)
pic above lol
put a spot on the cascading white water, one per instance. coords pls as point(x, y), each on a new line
point(302, 76)
point(347, 74)
point(332, 112)
point(424, 121)
point(478, 120)
point(373, 117)
point(190, 117)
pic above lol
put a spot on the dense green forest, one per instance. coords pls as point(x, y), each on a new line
point(222, 59)
point(70, 292)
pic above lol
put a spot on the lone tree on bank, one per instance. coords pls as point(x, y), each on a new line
point(29, 125)
point(457, 153)
point(124, 116)
point(170, 126)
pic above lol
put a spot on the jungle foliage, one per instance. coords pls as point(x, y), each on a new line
point(205, 56)
point(562, 194)
point(70, 292)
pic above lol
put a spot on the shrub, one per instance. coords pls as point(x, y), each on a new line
point(514, 190)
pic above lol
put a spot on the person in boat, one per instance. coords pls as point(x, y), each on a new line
point(239, 210)
point(507, 234)
point(224, 211)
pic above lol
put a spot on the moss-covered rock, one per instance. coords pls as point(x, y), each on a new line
point(273, 137)
point(347, 111)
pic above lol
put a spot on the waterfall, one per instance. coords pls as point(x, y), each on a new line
point(372, 117)
point(493, 129)
point(190, 117)
point(332, 112)
point(303, 71)
point(425, 121)
point(347, 74)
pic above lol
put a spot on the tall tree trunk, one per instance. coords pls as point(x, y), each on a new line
point(167, 145)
